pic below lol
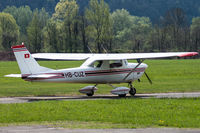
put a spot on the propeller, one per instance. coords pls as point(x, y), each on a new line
point(139, 62)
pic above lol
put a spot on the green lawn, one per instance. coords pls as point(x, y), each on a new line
point(121, 113)
point(167, 76)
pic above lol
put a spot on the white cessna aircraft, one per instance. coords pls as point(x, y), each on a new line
point(97, 68)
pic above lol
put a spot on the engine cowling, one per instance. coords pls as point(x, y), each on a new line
point(120, 90)
point(88, 89)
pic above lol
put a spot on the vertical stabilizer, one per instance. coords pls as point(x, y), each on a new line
point(26, 63)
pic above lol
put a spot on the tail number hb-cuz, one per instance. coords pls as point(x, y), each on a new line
point(74, 74)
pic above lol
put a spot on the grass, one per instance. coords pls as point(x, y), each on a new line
point(121, 113)
point(167, 76)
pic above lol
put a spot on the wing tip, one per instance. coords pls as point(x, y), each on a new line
point(188, 54)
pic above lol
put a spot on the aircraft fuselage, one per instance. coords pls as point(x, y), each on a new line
point(92, 74)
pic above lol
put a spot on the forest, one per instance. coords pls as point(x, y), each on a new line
point(100, 26)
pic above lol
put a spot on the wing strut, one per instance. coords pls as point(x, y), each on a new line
point(139, 62)
point(148, 78)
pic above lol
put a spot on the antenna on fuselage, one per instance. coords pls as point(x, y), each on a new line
point(89, 49)
point(104, 49)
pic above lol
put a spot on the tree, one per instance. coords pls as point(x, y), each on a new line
point(122, 23)
point(98, 16)
point(83, 25)
point(175, 23)
point(195, 33)
point(9, 30)
point(50, 37)
point(1, 47)
point(34, 29)
point(66, 11)
point(140, 30)
point(22, 15)
point(130, 31)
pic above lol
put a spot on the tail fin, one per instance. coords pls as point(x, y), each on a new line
point(26, 63)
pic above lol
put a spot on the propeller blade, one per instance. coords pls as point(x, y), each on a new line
point(133, 70)
point(148, 78)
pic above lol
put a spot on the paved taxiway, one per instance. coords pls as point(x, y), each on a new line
point(45, 129)
point(96, 97)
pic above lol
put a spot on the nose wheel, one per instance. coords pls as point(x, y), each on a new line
point(132, 91)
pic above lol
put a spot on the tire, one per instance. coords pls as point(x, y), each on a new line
point(90, 94)
point(122, 95)
point(132, 91)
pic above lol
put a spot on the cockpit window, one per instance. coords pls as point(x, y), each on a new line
point(115, 63)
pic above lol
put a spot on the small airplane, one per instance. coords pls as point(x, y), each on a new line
point(97, 68)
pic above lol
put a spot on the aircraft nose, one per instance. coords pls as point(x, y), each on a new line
point(144, 65)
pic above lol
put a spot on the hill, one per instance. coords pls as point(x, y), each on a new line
point(154, 9)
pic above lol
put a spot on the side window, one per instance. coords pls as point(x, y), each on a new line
point(97, 64)
point(117, 63)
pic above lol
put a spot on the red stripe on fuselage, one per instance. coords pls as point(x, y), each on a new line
point(32, 79)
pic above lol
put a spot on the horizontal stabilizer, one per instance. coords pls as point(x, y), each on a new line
point(13, 75)
point(44, 76)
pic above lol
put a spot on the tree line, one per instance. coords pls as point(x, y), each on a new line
point(154, 9)
point(96, 29)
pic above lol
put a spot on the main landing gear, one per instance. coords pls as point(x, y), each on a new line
point(88, 90)
point(120, 91)
point(123, 91)
point(132, 91)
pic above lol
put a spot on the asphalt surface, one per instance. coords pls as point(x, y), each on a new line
point(44, 129)
point(97, 97)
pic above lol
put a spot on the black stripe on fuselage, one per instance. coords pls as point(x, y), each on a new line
point(112, 72)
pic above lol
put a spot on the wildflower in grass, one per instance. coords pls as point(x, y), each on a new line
point(161, 123)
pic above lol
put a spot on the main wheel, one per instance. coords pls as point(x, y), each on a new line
point(132, 91)
point(90, 94)
point(122, 95)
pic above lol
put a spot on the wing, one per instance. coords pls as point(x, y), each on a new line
point(62, 56)
point(145, 55)
point(120, 56)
